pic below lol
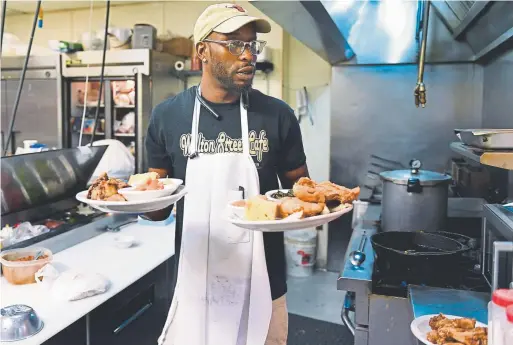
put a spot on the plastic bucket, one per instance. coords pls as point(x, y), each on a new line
point(300, 252)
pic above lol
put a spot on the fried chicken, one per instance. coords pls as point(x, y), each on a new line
point(306, 190)
point(440, 321)
point(105, 188)
point(476, 336)
point(334, 192)
point(460, 331)
point(288, 206)
point(324, 192)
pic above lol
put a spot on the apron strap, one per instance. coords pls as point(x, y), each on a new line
point(244, 128)
point(195, 127)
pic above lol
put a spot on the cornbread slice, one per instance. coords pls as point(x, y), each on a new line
point(259, 208)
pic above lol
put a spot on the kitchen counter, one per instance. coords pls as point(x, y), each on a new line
point(428, 300)
point(123, 267)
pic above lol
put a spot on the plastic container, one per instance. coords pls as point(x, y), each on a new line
point(300, 252)
point(501, 299)
point(22, 272)
point(508, 332)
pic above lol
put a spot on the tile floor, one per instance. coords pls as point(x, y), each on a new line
point(316, 297)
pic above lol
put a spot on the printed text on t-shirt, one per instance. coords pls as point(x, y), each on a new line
point(258, 144)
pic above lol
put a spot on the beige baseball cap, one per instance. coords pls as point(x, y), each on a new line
point(226, 18)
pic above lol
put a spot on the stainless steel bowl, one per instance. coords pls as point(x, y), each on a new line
point(18, 322)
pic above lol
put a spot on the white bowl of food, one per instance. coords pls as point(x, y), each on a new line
point(148, 186)
point(277, 194)
point(171, 184)
point(134, 194)
point(237, 208)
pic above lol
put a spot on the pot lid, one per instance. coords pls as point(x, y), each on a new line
point(425, 177)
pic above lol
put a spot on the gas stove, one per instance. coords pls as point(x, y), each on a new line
point(379, 296)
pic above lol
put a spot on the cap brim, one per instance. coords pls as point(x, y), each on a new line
point(235, 23)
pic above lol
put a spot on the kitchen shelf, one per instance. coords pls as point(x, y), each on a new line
point(124, 134)
point(501, 159)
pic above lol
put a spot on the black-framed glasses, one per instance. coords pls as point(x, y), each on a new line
point(237, 47)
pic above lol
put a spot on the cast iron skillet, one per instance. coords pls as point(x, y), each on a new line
point(398, 250)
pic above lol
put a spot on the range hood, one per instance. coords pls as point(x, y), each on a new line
point(389, 31)
point(486, 26)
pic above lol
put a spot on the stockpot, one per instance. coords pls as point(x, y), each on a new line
point(414, 199)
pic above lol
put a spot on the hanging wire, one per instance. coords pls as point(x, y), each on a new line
point(22, 79)
point(4, 11)
point(87, 79)
point(105, 37)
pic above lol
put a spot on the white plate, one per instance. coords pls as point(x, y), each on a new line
point(284, 225)
point(268, 194)
point(136, 206)
point(420, 326)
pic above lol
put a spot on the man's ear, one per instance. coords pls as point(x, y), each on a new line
point(201, 50)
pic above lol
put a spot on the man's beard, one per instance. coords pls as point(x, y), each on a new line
point(226, 80)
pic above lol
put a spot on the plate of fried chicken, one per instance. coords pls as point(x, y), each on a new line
point(142, 193)
point(449, 330)
point(307, 205)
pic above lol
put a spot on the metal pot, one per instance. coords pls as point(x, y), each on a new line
point(414, 199)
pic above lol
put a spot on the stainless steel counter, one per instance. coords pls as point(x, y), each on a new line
point(428, 300)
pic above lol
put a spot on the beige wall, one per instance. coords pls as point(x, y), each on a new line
point(304, 68)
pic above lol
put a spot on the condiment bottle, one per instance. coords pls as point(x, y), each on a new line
point(508, 333)
point(501, 299)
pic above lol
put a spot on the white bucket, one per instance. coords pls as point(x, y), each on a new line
point(300, 252)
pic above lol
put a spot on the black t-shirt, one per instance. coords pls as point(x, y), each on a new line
point(275, 145)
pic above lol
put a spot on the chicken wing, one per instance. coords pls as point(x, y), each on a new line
point(460, 331)
point(440, 321)
point(477, 336)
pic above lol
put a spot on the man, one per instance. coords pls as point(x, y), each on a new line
point(228, 142)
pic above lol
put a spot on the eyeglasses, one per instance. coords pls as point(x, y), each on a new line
point(237, 47)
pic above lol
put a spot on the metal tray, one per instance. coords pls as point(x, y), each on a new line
point(492, 139)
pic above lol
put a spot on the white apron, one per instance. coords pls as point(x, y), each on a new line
point(222, 295)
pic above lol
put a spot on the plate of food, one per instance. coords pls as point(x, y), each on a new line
point(143, 193)
point(312, 204)
point(449, 330)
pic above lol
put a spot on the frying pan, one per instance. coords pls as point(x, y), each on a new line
point(402, 250)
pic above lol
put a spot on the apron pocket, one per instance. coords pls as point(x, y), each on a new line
point(234, 233)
